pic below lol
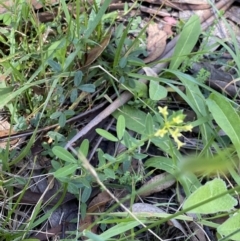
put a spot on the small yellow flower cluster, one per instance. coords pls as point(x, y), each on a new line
point(173, 125)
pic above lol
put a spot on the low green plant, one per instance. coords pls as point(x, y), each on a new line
point(47, 66)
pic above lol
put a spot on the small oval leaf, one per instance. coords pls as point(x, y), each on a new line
point(62, 120)
point(84, 148)
point(90, 88)
point(55, 115)
point(106, 135)
point(78, 78)
point(65, 171)
point(63, 154)
point(120, 126)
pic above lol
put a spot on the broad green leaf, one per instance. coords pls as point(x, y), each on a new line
point(210, 190)
point(230, 226)
point(156, 91)
point(63, 154)
point(106, 135)
point(187, 40)
point(120, 126)
point(226, 117)
point(55, 115)
point(65, 171)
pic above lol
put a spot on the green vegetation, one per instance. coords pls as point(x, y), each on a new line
point(53, 71)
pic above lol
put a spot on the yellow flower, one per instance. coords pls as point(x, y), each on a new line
point(187, 127)
point(179, 143)
point(175, 134)
point(161, 132)
point(178, 119)
point(163, 111)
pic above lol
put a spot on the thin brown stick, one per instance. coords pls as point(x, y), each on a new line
point(47, 128)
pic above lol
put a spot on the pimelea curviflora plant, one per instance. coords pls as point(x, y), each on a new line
point(173, 125)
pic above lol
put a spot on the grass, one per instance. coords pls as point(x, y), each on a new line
point(53, 71)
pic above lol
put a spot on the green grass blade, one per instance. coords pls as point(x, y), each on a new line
point(187, 40)
point(93, 24)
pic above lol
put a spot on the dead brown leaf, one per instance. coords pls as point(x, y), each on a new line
point(5, 130)
point(150, 187)
point(192, 4)
point(227, 88)
point(156, 42)
point(191, 1)
point(99, 202)
point(199, 233)
point(95, 206)
point(151, 209)
point(233, 14)
point(96, 51)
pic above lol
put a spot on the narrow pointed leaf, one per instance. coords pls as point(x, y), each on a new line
point(106, 135)
point(63, 154)
point(187, 40)
point(65, 171)
point(120, 126)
